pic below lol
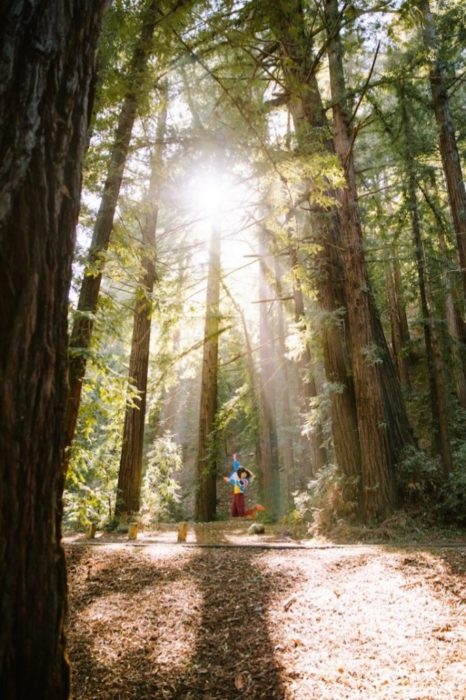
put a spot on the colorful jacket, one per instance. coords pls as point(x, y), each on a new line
point(239, 485)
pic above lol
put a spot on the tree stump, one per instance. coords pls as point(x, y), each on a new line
point(182, 532)
point(133, 531)
point(91, 530)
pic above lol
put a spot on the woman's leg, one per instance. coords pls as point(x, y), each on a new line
point(237, 506)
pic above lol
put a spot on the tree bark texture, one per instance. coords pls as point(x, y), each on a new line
point(87, 304)
point(206, 489)
point(47, 65)
point(382, 423)
point(313, 135)
point(130, 472)
point(447, 139)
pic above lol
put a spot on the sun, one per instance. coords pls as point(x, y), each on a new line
point(226, 201)
point(210, 194)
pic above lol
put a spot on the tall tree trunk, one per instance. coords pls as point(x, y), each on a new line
point(335, 336)
point(397, 309)
point(383, 430)
point(206, 488)
point(454, 323)
point(87, 304)
point(286, 441)
point(398, 321)
point(438, 393)
point(48, 54)
point(313, 135)
point(130, 473)
point(268, 439)
point(447, 139)
point(307, 389)
point(254, 380)
point(454, 301)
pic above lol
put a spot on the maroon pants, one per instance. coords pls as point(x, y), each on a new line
point(238, 506)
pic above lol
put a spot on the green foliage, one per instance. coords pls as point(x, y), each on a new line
point(161, 500)
point(234, 56)
point(296, 523)
point(330, 501)
point(320, 172)
point(452, 500)
point(95, 453)
point(237, 413)
point(452, 507)
point(418, 476)
point(84, 505)
point(423, 485)
point(373, 354)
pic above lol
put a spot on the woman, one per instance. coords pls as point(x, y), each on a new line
point(240, 480)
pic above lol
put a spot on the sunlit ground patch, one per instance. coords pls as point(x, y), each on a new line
point(356, 627)
point(356, 623)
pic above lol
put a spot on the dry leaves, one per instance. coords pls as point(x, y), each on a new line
point(190, 623)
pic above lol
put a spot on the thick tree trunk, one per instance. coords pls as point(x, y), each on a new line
point(87, 304)
point(383, 426)
point(438, 392)
point(447, 139)
point(130, 473)
point(48, 55)
point(313, 135)
point(336, 333)
point(206, 488)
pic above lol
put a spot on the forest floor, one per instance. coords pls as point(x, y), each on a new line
point(235, 616)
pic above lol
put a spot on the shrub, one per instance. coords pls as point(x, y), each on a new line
point(161, 500)
point(452, 506)
point(329, 501)
point(418, 476)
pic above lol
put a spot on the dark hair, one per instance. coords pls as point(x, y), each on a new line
point(243, 469)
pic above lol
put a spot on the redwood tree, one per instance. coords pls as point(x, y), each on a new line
point(447, 137)
point(268, 438)
point(312, 132)
point(435, 370)
point(48, 55)
point(206, 487)
point(307, 389)
point(130, 473)
point(87, 304)
point(382, 423)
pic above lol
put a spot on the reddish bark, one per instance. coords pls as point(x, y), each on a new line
point(48, 53)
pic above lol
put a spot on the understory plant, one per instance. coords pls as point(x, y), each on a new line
point(161, 499)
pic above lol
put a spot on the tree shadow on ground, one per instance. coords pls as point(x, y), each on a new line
point(192, 626)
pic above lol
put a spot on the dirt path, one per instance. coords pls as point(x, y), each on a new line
point(216, 623)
